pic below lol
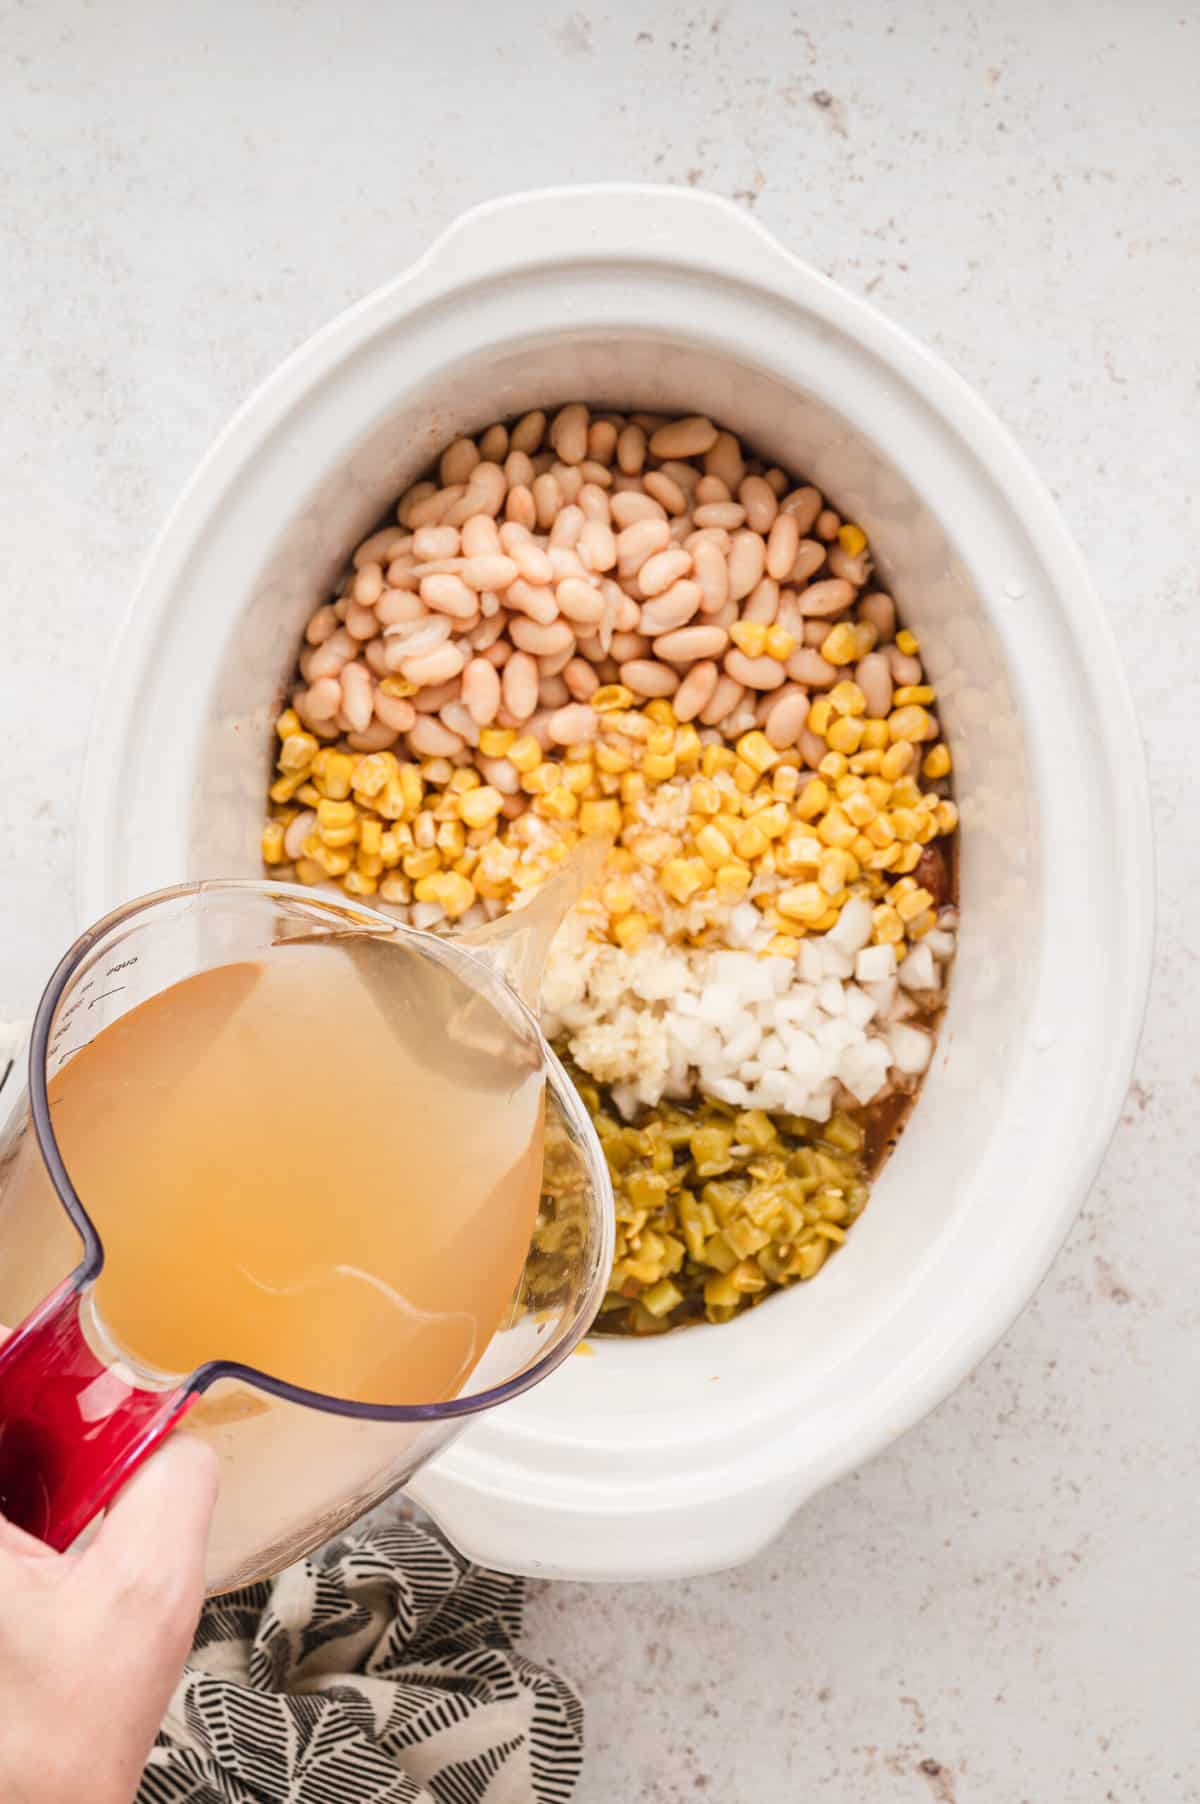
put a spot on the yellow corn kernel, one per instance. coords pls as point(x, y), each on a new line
point(332, 814)
point(610, 697)
point(784, 945)
point(844, 735)
point(905, 794)
point(309, 871)
point(907, 642)
point(389, 849)
point(772, 819)
point(878, 789)
point(600, 818)
point(750, 636)
point(272, 843)
point(908, 723)
point(496, 742)
point(333, 772)
point(660, 739)
point(395, 887)
point(860, 809)
point(457, 894)
point(660, 712)
point(682, 877)
point(806, 902)
point(524, 754)
point(541, 779)
point(946, 816)
point(716, 758)
point(840, 645)
point(785, 782)
point(617, 897)
point(658, 767)
point(880, 831)
point(421, 863)
point(907, 823)
point(912, 693)
point(831, 876)
point(688, 743)
point(833, 765)
point(885, 858)
point(712, 846)
point(907, 857)
point(847, 698)
point(611, 760)
point(464, 778)
point(333, 860)
point(412, 790)
point(819, 716)
point(297, 752)
point(370, 838)
point(633, 787)
point(399, 688)
point(834, 829)
point(756, 750)
point(706, 797)
point(577, 778)
point(557, 805)
point(913, 903)
point(288, 724)
point(875, 735)
point(852, 539)
point(451, 840)
point(814, 799)
point(779, 643)
point(865, 636)
point(887, 928)
point(358, 882)
point(896, 760)
point(750, 841)
point(630, 930)
point(745, 779)
point(866, 764)
point(731, 881)
point(371, 774)
point(436, 771)
point(937, 761)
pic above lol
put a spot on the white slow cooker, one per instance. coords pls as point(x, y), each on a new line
point(690, 1452)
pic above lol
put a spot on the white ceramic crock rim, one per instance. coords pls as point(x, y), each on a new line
point(1093, 645)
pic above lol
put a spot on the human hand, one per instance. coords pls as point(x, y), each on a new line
point(92, 1643)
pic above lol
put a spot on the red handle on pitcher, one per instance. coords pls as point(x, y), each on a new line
point(72, 1429)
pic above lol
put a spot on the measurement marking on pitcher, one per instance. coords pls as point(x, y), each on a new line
point(117, 990)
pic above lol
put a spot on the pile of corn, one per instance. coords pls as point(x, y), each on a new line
point(750, 819)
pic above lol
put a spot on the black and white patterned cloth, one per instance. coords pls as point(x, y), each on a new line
point(383, 1673)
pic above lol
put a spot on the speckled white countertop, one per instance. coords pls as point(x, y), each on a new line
point(1001, 1610)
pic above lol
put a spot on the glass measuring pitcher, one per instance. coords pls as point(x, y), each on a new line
point(78, 1413)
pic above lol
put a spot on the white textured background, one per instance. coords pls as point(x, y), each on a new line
point(1002, 1610)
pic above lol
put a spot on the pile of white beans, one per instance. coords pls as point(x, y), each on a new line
point(584, 550)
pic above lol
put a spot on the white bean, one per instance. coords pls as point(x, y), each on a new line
point(647, 678)
point(297, 831)
point(782, 545)
point(357, 697)
point(631, 505)
point(542, 641)
point(759, 502)
point(696, 690)
point(481, 691)
point(431, 543)
point(323, 698)
point(785, 719)
point(493, 571)
point(804, 505)
point(673, 608)
point(394, 711)
point(747, 560)
point(644, 539)
point(526, 435)
point(569, 433)
point(753, 673)
point(579, 600)
point(826, 598)
point(762, 603)
point(449, 595)
point(519, 684)
point(729, 514)
point(690, 437)
point(432, 739)
point(533, 600)
point(480, 537)
point(810, 668)
point(880, 610)
point(574, 724)
point(433, 667)
point(581, 679)
point(725, 697)
point(327, 659)
point(662, 569)
point(689, 642)
point(322, 626)
point(724, 460)
point(664, 489)
point(457, 461)
point(520, 507)
point(874, 677)
point(597, 546)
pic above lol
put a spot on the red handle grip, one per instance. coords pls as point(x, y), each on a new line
point(72, 1429)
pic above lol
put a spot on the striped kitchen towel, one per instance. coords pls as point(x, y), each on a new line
point(381, 1673)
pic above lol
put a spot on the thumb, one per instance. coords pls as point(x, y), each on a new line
point(157, 1528)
